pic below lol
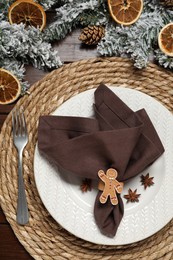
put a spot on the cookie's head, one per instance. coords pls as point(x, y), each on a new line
point(111, 173)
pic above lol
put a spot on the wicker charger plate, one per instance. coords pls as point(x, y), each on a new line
point(43, 238)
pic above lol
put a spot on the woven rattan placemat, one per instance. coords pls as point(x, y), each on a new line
point(43, 238)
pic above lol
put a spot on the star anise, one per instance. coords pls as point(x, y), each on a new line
point(132, 196)
point(86, 185)
point(147, 181)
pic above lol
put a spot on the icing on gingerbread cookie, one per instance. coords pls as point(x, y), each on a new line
point(111, 186)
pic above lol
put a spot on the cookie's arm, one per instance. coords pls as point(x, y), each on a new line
point(118, 186)
point(102, 175)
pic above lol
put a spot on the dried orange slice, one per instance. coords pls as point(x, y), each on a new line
point(27, 12)
point(10, 87)
point(165, 39)
point(125, 12)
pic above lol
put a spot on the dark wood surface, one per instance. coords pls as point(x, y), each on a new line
point(70, 49)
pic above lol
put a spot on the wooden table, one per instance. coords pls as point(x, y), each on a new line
point(70, 49)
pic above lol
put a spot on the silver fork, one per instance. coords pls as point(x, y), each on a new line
point(20, 137)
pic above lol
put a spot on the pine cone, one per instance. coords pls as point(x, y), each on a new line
point(91, 35)
point(167, 3)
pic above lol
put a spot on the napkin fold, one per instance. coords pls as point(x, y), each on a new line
point(117, 138)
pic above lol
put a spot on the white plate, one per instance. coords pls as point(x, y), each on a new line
point(73, 209)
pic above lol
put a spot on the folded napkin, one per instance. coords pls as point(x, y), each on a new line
point(117, 138)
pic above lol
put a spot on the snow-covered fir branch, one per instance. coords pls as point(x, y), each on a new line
point(47, 4)
point(17, 68)
point(27, 45)
point(163, 60)
point(71, 14)
point(4, 5)
point(139, 40)
point(19, 46)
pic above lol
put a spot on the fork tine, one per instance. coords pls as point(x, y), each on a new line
point(23, 123)
point(18, 123)
point(15, 122)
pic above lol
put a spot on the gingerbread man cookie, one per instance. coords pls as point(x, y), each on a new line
point(111, 186)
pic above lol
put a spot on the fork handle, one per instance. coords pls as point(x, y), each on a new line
point(22, 208)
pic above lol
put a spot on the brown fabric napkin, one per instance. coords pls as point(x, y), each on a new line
point(118, 138)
